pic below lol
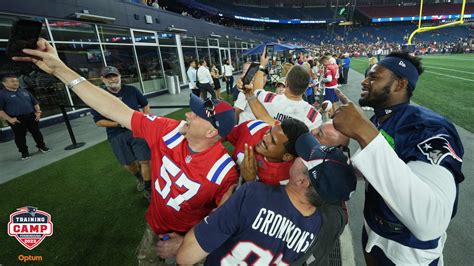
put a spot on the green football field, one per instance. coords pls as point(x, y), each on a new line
point(446, 86)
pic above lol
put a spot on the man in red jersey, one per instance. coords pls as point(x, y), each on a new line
point(264, 152)
point(331, 74)
point(191, 172)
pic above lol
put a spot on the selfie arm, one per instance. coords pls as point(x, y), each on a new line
point(259, 79)
point(46, 58)
point(98, 99)
point(259, 110)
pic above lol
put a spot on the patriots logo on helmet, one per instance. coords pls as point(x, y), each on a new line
point(437, 148)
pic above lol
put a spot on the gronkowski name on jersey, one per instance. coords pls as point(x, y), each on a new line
point(258, 225)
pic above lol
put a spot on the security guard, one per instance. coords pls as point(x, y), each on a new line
point(22, 112)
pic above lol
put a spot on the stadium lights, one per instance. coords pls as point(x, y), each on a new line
point(172, 28)
point(215, 35)
point(89, 17)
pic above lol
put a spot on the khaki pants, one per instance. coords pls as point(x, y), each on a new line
point(146, 251)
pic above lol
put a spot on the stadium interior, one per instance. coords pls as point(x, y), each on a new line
point(151, 43)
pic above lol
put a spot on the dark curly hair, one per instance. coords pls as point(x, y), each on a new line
point(293, 129)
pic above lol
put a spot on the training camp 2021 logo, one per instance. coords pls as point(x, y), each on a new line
point(30, 226)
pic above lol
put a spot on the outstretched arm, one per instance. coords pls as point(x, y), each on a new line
point(46, 58)
point(259, 110)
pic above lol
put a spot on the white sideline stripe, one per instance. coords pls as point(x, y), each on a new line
point(454, 77)
point(451, 58)
point(347, 248)
point(449, 69)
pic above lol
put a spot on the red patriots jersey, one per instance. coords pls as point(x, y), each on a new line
point(331, 70)
point(252, 132)
point(186, 186)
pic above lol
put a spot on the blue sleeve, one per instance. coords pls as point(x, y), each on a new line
point(142, 101)
point(2, 102)
point(219, 226)
point(96, 116)
point(32, 98)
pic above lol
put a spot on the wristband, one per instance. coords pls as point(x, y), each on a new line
point(249, 98)
point(75, 82)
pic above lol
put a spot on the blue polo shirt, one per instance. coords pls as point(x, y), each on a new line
point(16, 103)
point(132, 97)
point(346, 63)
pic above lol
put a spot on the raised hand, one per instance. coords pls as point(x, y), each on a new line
point(44, 56)
point(351, 121)
point(264, 57)
point(248, 167)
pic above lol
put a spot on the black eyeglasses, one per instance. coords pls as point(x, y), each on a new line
point(210, 112)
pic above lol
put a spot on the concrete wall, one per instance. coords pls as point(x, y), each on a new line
point(124, 12)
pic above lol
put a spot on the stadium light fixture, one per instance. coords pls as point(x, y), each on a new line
point(172, 28)
point(90, 17)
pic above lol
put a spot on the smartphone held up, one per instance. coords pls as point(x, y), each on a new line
point(24, 34)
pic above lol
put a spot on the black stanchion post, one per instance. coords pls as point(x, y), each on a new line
point(74, 144)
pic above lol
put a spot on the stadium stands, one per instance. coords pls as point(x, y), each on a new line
point(369, 34)
point(259, 12)
point(399, 11)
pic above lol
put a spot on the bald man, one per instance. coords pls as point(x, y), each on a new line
point(329, 136)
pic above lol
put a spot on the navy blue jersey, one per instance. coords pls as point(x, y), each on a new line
point(132, 98)
point(16, 103)
point(419, 134)
point(416, 134)
point(257, 225)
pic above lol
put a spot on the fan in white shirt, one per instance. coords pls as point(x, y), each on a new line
point(289, 104)
point(205, 82)
point(192, 77)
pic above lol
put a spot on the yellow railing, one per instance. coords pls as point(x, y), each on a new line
point(424, 29)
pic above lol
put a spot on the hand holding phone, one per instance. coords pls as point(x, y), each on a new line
point(269, 50)
point(24, 34)
point(250, 73)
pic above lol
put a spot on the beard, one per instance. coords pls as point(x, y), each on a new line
point(114, 86)
point(376, 99)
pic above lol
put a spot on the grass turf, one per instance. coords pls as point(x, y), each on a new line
point(446, 86)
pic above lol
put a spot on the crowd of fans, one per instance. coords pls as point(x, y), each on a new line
point(280, 197)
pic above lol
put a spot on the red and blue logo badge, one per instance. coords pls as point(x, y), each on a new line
point(30, 226)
